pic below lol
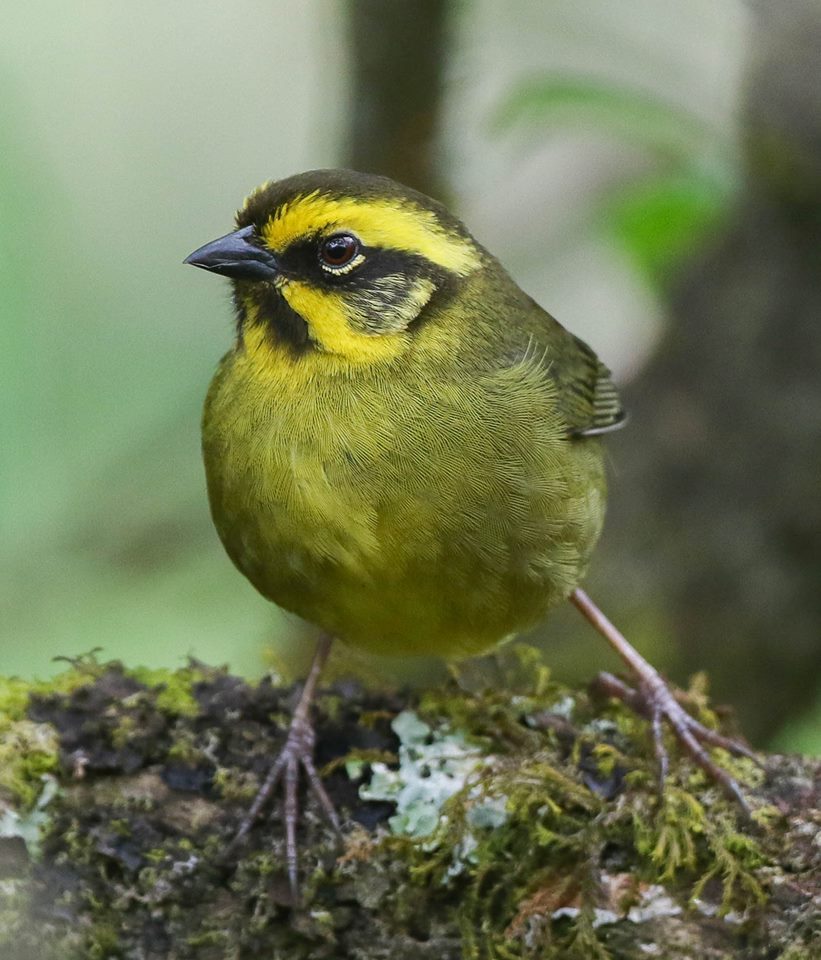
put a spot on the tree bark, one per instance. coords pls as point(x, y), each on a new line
point(573, 856)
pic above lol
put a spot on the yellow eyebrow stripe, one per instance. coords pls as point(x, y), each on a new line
point(377, 223)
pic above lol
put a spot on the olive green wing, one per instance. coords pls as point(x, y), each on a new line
point(587, 396)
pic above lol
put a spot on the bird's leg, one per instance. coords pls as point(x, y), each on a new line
point(654, 700)
point(297, 752)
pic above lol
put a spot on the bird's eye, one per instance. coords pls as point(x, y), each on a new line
point(339, 251)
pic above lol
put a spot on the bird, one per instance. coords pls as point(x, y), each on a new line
point(403, 448)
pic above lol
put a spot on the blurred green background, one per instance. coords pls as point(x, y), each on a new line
point(648, 170)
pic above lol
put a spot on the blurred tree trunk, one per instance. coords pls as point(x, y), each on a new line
point(399, 55)
point(719, 479)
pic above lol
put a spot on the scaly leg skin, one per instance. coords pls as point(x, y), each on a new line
point(297, 752)
point(654, 700)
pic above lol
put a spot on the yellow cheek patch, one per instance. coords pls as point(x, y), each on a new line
point(276, 363)
point(378, 223)
point(328, 317)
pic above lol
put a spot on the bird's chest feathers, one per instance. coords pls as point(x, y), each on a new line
point(360, 482)
point(292, 470)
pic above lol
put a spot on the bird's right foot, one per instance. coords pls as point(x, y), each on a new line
point(298, 752)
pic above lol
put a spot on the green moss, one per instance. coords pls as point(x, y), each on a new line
point(556, 838)
point(28, 751)
point(524, 823)
point(104, 942)
point(14, 698)
point(235, 786)
point(15, 694)
point(173, 688)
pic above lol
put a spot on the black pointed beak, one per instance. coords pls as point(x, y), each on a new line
point(237, 256)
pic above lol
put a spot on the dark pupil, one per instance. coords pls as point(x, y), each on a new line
point(337, 251)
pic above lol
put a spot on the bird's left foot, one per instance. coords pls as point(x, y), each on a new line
point(655, 700)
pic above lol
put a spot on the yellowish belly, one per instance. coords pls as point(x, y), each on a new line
point(424, 519)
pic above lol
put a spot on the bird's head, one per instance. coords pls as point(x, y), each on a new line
point(338, 262)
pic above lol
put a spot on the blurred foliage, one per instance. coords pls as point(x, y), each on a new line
point(803, 734)
point(551, 102)
point(659, 215)
point(661, 221)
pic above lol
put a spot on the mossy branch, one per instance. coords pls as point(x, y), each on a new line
point(503, 821)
